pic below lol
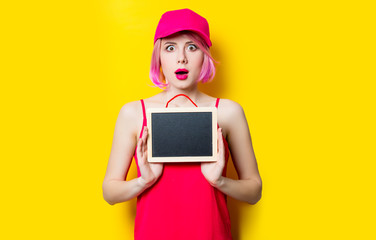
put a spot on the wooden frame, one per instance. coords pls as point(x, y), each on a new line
point(214, 125)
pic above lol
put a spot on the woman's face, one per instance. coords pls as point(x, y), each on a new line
point(181, 61)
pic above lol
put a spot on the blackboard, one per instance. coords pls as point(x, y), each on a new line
point(182, 134)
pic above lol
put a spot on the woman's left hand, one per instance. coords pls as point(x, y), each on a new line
point(212, 171)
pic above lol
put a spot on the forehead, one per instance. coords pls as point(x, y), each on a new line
point(176, 37)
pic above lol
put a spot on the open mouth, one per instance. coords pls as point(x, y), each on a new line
point(181, 74)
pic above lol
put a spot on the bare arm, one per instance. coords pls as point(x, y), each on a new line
point(249, 186)
point(115, 188)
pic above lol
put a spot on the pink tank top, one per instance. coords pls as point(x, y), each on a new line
point(182, 205)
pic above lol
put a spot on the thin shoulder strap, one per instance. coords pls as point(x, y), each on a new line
point(143, 111)
point(216, 104)
point(144, 121)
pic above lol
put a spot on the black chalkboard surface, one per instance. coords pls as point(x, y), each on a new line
point(182, 134)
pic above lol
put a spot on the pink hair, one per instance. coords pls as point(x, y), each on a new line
point(207, 70)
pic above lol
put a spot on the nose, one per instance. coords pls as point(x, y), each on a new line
point(182, 58)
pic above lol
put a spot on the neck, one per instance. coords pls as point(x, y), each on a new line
point(193, 94)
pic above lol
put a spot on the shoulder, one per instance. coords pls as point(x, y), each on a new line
point(229, 113)
point(130, 109)
point(230, 108)
point(131, 116)
point(233, 119)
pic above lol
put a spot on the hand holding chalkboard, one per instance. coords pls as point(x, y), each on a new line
point(150, 172)
point(212, 171)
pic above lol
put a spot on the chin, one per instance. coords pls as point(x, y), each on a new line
point(185, 85)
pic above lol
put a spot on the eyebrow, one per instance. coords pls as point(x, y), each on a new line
point(175, 42)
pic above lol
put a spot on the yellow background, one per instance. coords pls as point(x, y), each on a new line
point(304, 72)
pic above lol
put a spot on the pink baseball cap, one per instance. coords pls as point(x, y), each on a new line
point(183, 19)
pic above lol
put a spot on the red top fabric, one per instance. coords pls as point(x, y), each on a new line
point(182, 205)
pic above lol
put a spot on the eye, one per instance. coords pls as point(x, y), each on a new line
point(170, 48)
point(192, 47)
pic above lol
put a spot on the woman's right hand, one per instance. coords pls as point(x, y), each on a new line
point(150, 172)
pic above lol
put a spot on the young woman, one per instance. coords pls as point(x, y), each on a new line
point(182, 200)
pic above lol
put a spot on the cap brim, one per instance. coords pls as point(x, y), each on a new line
point(166, 34)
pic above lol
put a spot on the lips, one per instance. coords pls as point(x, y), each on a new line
point(181, 73)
